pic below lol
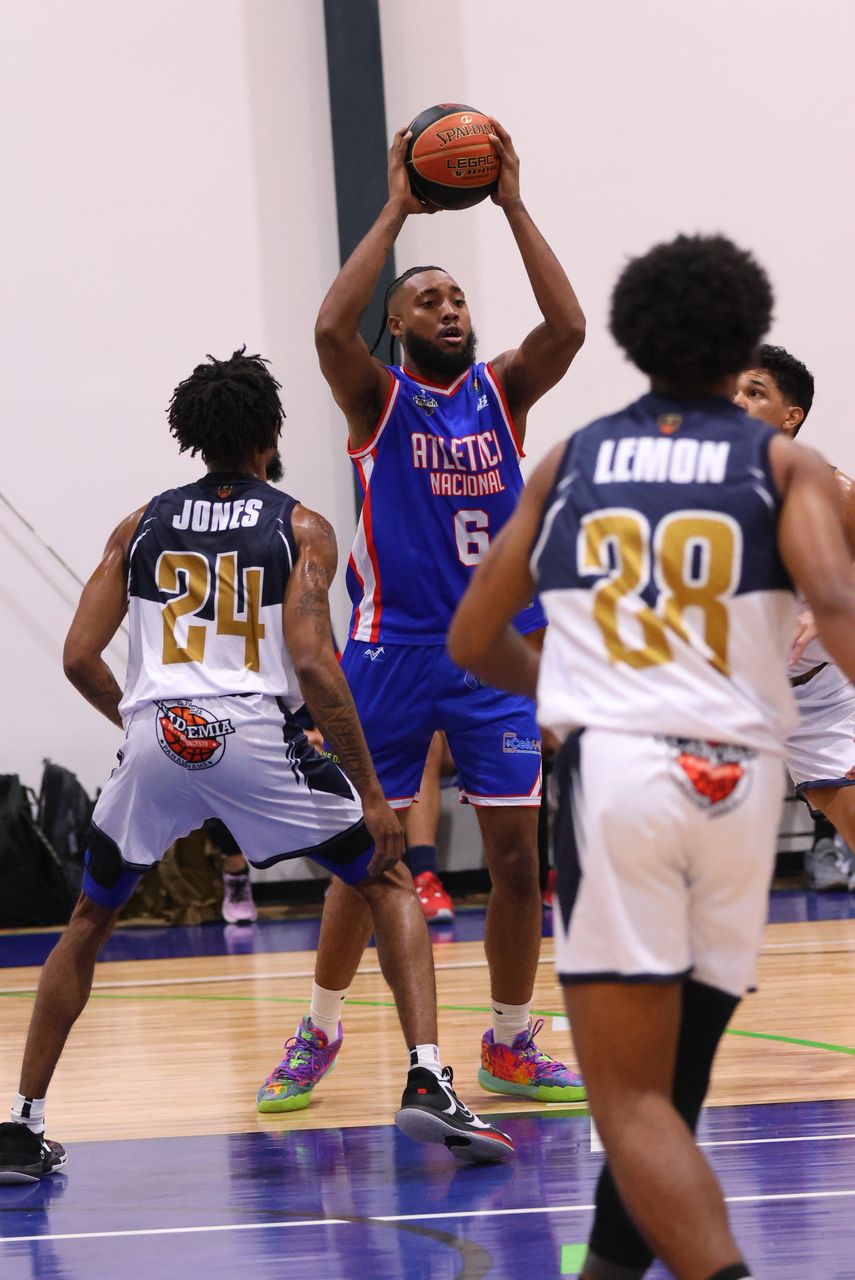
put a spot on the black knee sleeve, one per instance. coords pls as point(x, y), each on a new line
point(615, 1241)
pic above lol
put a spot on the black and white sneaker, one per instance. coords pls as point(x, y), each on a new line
point(26, 1156)
point(432, 1112)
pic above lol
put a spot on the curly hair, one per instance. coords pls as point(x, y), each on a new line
point(227, 409)
point(692, 311)
point(793, 379)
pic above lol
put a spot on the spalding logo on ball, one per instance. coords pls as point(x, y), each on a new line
point(450, 159)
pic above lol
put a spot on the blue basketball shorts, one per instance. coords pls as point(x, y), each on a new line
point(404, 693)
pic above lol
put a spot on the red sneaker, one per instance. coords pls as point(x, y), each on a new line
point(549, 891)
point(435, 902)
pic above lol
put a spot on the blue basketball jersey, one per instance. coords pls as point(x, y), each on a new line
point(670, 610)
point(440, 475)
point(207, 570)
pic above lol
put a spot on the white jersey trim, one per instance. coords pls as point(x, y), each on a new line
point(374, 439)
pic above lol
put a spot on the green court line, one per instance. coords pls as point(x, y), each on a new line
point(572, 1258)
point(390, 1004)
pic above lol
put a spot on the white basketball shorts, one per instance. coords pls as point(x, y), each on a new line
point(242, 759)
point(665, 850)
point(820, 751)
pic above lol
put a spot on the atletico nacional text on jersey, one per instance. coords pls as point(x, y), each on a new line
point(207, 568)
point(670, 611)
point(440, 475)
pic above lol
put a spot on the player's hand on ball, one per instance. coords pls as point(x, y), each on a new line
point(509, 175)
point(401, 194)
point(387, 833)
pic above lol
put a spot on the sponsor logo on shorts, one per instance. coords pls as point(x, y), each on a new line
point(514, 745)
point(190, 735)
point(373, 654)
point(715, 775)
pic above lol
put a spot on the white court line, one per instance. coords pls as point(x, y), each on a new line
point(243, 977)
point(287, 1224)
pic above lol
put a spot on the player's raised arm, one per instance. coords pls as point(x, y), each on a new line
point(358, 382)
point(482, 638)
point(544, 356)
point(103, 604)
point(308, 636)
point(821, 564)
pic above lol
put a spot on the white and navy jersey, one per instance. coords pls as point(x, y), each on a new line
point(207, 568)
point(440, 475)
point(670, 611)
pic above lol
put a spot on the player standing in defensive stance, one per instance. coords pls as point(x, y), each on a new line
point(778, 389)
point(225, 583)
point(663, 540)
point(436, 443)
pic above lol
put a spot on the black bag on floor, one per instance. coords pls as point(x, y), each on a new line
point(33, 888)
point(65, 811)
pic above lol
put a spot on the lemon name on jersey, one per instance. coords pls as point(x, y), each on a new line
point(660, 460)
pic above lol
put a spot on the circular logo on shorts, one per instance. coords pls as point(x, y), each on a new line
point(190, 735)
point(715, 775)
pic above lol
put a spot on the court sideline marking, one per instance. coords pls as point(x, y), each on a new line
point(287, 1224)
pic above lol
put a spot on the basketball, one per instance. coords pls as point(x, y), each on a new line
point(450, 160)
point(192, 750)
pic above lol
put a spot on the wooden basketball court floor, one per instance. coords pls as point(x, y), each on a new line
point(172, 1173)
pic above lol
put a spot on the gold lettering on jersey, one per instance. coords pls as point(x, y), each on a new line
point(696, 565)
point(186, 573)
point(696, 558)
point(212, 517)
point(617, 543)
point(229, 622)
point(660, 460)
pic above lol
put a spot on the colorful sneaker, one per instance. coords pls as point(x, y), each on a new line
point(435, 902)
point(527, 1071)
point(432, 1112)
point(238, 902)
point(549, 891)
point(26, 1156)
point(308, 1058)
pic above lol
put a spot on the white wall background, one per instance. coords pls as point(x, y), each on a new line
point(168, 192)
point(634, 122)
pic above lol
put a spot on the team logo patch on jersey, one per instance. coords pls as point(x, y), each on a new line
point(669, 423)
point(514, 745)
point(425, 401)
point(713, 774)
point(190, 735)
point(224, 491)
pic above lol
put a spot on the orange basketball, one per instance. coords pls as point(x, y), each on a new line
point(450, 159)
point(193, 750)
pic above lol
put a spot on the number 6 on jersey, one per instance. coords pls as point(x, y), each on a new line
point(471, 529)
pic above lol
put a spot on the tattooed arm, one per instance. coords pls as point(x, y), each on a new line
point(308, 635)
point(102, 606)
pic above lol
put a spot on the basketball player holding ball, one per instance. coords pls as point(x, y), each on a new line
point(436, 443)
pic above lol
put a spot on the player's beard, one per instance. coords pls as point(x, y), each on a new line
point(275, 468)
point(434, 361)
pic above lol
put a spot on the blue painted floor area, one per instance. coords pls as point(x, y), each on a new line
point(306, 1204)
point(218, 939)
point(153, 942)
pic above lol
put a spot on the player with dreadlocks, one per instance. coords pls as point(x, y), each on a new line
point(436, 442)
point(225, 583)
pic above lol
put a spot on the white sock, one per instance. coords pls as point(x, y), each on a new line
point(325, 1010)
point(426, 1055)
point(509, 1020)
point(29, 1111)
